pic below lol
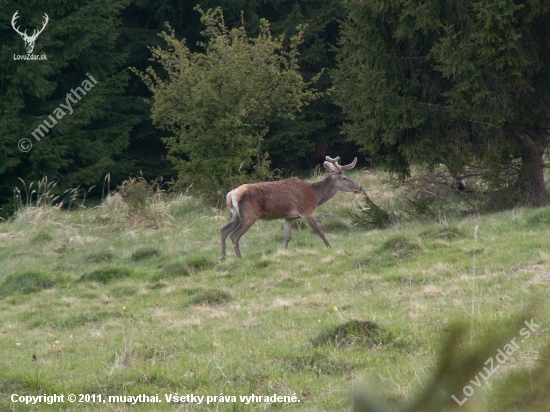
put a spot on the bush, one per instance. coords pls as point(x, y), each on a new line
point(219, 104)
point(136, 193)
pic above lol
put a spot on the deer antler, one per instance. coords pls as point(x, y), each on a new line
point(15, 16)
point(333, 164)
point(350, 166)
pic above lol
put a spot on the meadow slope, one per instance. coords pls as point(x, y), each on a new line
point(93, 301)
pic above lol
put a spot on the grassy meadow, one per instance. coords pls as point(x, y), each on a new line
point(102, 301)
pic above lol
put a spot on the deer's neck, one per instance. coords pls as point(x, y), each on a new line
point(324, 190)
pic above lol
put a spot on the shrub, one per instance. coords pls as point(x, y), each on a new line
point(136, 193)
point(372, 216)
point(219, 104)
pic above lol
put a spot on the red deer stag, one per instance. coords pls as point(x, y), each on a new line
point(287, 199)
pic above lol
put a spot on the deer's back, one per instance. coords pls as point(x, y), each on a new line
point(274, 200)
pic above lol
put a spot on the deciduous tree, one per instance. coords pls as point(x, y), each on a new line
point(219, 103)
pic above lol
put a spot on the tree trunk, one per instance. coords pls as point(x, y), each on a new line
point(531, 178)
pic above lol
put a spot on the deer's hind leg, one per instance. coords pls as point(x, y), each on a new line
point(313, 224)
point(227, 229)
point(242, 227)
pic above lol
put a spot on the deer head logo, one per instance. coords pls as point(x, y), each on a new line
point(29, 40)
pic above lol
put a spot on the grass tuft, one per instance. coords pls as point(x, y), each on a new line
point(208, 297)
point(354, 333)
point(448, 233)
point(28, 282)
point(105, 275)
point(145, 253)
point(199, 262)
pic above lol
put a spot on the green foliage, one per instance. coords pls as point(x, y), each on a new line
point(371, 216)
point(142, 198)
point(136, 193)
point(219, 104)
point(463, 84)
point(28, 282)
point(107, 274)
point(86, 143)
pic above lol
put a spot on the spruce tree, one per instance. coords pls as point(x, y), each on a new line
point(455, 83)
point(82, 147)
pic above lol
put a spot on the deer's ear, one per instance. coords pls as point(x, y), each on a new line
point(330, 168)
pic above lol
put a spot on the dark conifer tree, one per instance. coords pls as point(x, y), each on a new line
point(454, 83)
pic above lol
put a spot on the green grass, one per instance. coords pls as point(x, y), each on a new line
point(28, 282)
point(145, 253)
point(111, 307)
point(106, 274)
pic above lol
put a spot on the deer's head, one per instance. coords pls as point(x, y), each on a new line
point(336, 172)
point(29, 40)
